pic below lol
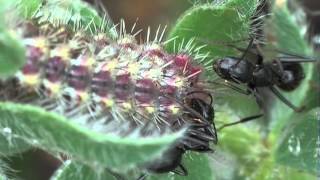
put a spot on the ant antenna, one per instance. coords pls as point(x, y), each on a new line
point(231, 86)
point(245, 52)
point(247, 49)
point(142, 177)
point(247, 119)
point(202, 92)
point(182, 171)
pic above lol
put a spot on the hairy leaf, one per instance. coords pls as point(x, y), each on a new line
point(74, 170)
point(300, 145)
point(54, 133)
point(12, 53)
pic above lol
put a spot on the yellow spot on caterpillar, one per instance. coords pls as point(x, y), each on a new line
point(87, 61)
point(62, 51)
point(154, 46)
point(127, 40)
point(31, 80)
point(178, 82)
point(90, 62)
point(61, 30)
point(111, 65)
point(154, 74)
point(100, 37)
point(174, 109)
point(53, 87)
point(126, 106)
point(133, 68)
point(280, 3)
point(108, 102)
point(150, 109)
point(84, 96)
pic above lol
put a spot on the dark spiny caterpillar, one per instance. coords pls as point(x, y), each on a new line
point(115, 86)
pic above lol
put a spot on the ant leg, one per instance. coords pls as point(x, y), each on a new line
point(236, 88)
point(244, 53)
point(116, 175)
point(182, 171)
point(197, 148)
point(310, 12)
point(285, 100)
point(241, 121)
point(142, 177)
point(246, 50)
point(260, 55)
point(202, 135)
point(231, 86)
point(298, 60)
point(208, 129)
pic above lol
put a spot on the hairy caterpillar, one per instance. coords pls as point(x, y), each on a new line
point(113, 86)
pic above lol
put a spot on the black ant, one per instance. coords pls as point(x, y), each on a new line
point(284, 72)
point(198, 138)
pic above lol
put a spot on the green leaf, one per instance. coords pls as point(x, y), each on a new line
point(12, 54)
point(220, 22)
point(77, 14)
point(268, 169)
point(290, 38)
point(73, 170)
point(3, 170)
point(243, 143)
point(300, 145)
point(313, 92)
point(28, 8)
point(198, 166)
point(54, 133)
point(10, 145)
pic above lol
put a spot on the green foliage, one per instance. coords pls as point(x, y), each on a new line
point(11, 53)
point(77, 14)
point(49, 131)
point(11, 145)
point(298, 147)
point(277, 155)
point(28, 8)
point(72, 170)
point(214, 23)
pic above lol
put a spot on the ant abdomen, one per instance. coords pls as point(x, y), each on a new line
point(293, 75)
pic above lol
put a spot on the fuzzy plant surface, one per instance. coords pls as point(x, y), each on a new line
point(289, 150)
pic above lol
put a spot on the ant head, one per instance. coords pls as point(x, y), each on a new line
point(220, 66)
point(216, 66)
